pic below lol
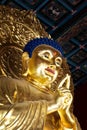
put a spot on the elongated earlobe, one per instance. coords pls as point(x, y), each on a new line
point(25, 62)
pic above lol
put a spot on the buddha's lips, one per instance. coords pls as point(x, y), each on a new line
point(50, 70)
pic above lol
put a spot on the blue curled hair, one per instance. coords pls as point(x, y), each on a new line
point(31, 45)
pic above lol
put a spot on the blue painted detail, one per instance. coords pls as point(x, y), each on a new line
point(30, 46)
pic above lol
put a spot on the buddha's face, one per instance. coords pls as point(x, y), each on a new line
point(44, 64)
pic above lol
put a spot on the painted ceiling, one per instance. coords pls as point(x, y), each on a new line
point(66, 22)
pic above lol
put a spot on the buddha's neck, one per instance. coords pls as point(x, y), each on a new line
point(39, 86)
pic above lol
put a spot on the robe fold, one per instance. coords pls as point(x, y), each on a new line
point(17, 110)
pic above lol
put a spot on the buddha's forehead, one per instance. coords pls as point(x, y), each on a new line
point(47, 48)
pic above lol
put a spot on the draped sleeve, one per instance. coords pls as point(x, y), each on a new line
point(20, 113)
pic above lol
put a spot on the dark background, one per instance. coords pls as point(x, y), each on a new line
point(66, 22)
point(80, 105)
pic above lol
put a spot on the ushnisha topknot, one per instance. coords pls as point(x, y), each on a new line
point(31, 45)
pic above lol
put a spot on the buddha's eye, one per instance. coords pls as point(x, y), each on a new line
point(58, 61)
point(46, 55)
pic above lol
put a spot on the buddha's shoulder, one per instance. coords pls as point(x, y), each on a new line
point(8, 79)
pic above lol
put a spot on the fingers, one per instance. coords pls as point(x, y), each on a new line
point(66, 101)
point(64, 90)
point(62, 82)
point(67, 80)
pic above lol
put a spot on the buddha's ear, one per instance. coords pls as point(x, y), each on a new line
point(25, 63)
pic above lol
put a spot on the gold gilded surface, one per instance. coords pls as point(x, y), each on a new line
point(41, 98)
point(16, 29)
point(10, 61)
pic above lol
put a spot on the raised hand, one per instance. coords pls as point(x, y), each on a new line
point(65, 96)
point(64, 102)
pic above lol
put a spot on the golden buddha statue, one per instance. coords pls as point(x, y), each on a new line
point(40, 98)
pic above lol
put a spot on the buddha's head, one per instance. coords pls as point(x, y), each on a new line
point(43, 63)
